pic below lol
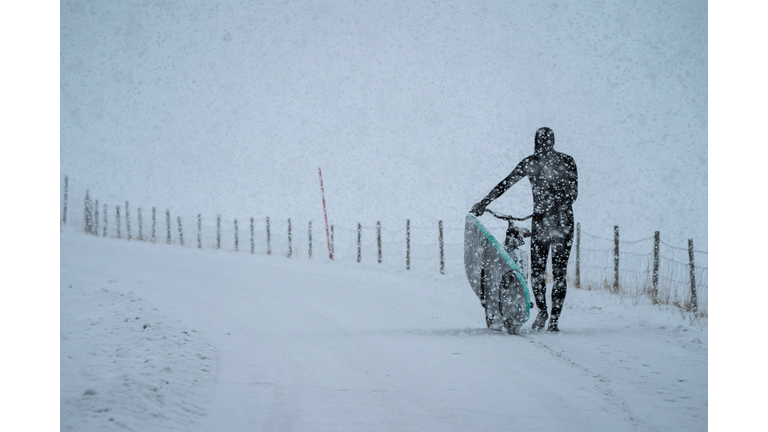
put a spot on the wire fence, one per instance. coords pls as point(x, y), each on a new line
point(646, 269)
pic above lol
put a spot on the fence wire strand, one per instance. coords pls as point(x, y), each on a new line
point(597, 269)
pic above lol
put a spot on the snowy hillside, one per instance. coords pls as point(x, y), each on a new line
point(414, 110)
point(160, 337)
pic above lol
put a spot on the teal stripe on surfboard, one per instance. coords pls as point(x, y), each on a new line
point(509, 259)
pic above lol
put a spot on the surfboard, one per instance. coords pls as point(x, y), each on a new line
point(496, 278)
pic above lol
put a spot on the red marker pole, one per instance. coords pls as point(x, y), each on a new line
point(325, 213)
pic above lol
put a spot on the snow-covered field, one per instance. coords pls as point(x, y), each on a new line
point(414, 110)
point(159, 337)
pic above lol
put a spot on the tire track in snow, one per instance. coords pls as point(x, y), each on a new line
point(601, 381)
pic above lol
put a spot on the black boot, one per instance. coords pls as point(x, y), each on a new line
point(541, 319)
point(553, 324)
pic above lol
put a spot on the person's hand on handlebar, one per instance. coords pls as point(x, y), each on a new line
point(478, 209)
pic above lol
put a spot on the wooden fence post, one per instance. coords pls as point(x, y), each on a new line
point(218, 231)
point(199, 231)
point(127, 221)
point(577, 280)
point(442, 253)
point(105, 221)
point(694, 300)
point(655, 280)
point(66, 198)
point(616, 259)
point(117, 220)
point(96, 217)
point(290, 242)
point(181, 233)
point(141, 229)
point(269, 249)
point(378, 238)
point(253, 245)
point(237, 239)
point(407, 244)
point(310, 239)
point(88, 212)
point(154, 220)
point(359, 235)
point(168, 225)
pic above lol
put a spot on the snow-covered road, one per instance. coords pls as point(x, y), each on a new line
point(160, 337)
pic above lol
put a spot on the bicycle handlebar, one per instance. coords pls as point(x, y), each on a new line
point(507, 217)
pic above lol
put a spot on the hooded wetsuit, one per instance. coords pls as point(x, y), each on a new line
point(554, 183)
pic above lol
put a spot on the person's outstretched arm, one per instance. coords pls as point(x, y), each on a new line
point(513, 177)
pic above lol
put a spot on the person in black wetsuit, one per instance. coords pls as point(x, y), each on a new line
point(555, 186)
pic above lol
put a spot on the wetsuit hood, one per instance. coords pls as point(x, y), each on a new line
point(544, 141)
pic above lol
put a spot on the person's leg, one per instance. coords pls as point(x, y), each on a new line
point(539, 255)
point(562, 241)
